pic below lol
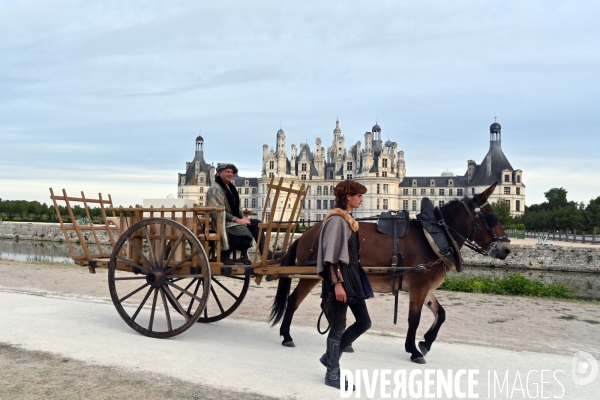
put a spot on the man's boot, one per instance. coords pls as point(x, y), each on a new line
point(226, 257)
point(332, 376)
point(348, 349)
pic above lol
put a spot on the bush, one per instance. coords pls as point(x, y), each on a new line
point(512, 285)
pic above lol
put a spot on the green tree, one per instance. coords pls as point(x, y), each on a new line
point(557, 197)
point(502, 210)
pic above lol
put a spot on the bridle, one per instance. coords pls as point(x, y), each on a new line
point(489, 221)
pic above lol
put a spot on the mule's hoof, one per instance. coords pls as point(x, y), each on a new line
point(288, 344)
point(423, 348)
point(348, 349)
point(418, 360)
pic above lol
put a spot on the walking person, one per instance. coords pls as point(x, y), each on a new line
point(345, 284)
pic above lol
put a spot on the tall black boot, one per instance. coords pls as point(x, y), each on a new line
point(332, 376)
point(226, 257)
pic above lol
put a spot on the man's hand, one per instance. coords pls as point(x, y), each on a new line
point(243, 221)
point(340, 293)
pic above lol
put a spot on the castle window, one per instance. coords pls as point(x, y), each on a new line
point(303, 167)
point(271, 175)
point(325, 191)
point(245, 183)
point(331, 204)
point(330, 174)
point(201, 189)
point(507, 190)
point(271, 164)
point(384, 174)
point(378, 204)
point(324, 204)
point(384, 163)
point(331, 189)
point(459, 192)
point(405, 192)
point(253, 202)
point(414, 182)
point(378, 186)
point(303, 177)
point(405, 204)
point(414, 205)
point(309, 204)
point(423, 192)
point(519, 191)
point(432, 183)
point(414, 192)
point(508, 203)
point(449, 192)
point(319, 191)
point(506, 178)
point(240, 190)
point(253, 190)
point(518, 205)
point(518, 178)
point(386, 188)
point(349, 166)
point(441, 203)
point(318, 204)
point(450, 182)
point(246, 202)
point(385, 204)
point(472, 191)
point(441, 192)
point(246, 190)
point(349, 176)
point(432, 192)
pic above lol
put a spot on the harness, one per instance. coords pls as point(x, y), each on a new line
point(489, 222)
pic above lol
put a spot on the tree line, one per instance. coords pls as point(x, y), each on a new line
point(22, 210)
point(556, 213)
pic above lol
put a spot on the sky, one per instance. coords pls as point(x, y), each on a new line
point(109, 96)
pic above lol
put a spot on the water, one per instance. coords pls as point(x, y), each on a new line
point(29, 250)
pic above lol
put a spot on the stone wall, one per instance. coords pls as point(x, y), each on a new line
point(44, 232)
point(550, 258)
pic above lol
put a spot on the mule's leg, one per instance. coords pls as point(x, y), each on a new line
point(417, 298)
point(298, 295)
point(440, 316)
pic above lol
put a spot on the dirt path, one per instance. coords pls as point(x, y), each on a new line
point(515, 323)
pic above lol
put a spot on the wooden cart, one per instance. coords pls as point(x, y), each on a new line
point(160, 276)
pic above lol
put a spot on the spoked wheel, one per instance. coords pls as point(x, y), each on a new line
point(226, 294)
point(162, 299)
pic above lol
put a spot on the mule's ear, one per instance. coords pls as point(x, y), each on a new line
point(482, 197)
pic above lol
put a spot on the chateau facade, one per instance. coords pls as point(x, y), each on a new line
point(379, 166)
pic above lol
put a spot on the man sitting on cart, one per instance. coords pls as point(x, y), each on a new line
point(237, 230)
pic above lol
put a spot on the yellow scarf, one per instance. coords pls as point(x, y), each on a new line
point(344, 214)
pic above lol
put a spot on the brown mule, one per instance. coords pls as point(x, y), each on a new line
point(467, 220)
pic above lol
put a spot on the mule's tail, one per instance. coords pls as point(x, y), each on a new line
point(283, 287)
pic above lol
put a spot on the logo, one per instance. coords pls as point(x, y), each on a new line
point(585, 368)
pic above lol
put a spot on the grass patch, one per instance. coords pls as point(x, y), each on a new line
point(512, 285)
point(591, 321)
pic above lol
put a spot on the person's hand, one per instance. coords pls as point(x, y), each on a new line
point(243, 221)
point(340, 293)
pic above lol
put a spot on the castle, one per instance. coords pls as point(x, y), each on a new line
point(379, 166)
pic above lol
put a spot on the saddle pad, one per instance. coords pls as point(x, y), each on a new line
point(439, 239)
point(393, 223)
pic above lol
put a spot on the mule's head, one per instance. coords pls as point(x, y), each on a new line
point(487, 232)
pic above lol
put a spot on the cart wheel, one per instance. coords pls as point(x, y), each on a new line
point(226, 295)
point(157, 301)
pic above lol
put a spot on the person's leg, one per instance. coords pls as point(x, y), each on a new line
point(362, 324)
point(332, 355)
point(254, 230)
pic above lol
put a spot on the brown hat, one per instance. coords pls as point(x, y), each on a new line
point(349, 187)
